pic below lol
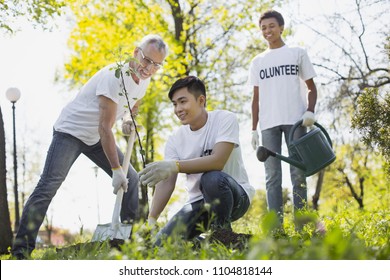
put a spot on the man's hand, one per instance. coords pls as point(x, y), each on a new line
point(151, 222)
point(157, 171)
point(308, 119)
point(255, 139)
point(119, 180)
point(127, 127)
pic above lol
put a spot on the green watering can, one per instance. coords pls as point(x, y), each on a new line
point(311, 153)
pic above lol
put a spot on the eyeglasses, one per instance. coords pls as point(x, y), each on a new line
point(146, 62)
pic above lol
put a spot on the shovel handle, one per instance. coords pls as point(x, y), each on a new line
point(125, 166)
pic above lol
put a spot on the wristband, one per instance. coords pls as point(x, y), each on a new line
point(116, 168)
point(178, 166)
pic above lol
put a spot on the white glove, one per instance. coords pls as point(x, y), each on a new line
point(255, 139)
point(152, 225)
point(308, 119)
point(152, 222)
point(127, 127)
point(157, 171)
point(119, 180)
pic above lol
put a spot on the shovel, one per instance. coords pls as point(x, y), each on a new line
point(115, 229)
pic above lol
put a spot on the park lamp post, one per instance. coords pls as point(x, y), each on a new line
point(13, 95)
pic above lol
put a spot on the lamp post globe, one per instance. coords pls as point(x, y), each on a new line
point(13, 95)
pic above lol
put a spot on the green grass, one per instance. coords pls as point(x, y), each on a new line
point(350, 234)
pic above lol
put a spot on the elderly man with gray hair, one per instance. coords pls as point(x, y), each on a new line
point(85, 127)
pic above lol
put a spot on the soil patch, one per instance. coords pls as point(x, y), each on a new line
point(231, 239)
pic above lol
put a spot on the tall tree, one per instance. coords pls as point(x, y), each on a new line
point(372, 119)
point(218, 40)
point(356, 171)
point(5, 222)
point(347, 51)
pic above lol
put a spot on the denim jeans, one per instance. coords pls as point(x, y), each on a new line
point(272, 140)
point(228, 202)
point(63, 152)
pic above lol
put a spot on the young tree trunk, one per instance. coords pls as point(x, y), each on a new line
point(5, 221)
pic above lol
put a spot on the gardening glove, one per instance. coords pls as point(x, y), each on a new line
point(152, 221)
point(158, 171)
point(128, 126)
point(255, 139)
point(308, 119)
point(152, 225)
point(119, 180)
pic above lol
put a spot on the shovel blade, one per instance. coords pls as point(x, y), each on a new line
point(107, 231)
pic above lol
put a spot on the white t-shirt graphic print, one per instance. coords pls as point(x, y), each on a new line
point(280, 75)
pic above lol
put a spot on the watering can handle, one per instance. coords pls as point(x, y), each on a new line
point(298, 123)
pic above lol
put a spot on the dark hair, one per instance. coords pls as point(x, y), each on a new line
point(272, 14)
point(194, 85)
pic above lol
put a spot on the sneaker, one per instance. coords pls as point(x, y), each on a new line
point(230, 239)
point(197, 241)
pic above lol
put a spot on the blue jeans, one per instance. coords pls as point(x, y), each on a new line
point(228, 202)
point(63, 152)
point(272, 140)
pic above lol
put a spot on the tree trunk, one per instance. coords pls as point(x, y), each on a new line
point(177, 17)
point(355, 195)
point(5, 221)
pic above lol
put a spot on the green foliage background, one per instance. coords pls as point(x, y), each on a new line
point(215, 40)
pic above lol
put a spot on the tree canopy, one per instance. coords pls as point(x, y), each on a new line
point(37, 12)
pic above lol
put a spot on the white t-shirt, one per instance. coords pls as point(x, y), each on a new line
point(280, 75)
point(221, 126)
point(80, 117)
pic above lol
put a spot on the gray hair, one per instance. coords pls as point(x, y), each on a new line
point(156, 40)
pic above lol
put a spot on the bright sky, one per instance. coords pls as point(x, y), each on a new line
point(29, 61)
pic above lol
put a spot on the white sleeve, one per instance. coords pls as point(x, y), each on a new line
point(170, 152)
point(228, 129)
point(306, 69)
point(109, 86)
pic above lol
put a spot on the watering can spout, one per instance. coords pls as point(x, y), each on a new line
point(292, 161)
point(263, 153)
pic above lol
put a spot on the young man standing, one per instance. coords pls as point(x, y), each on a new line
point(85, 127)
point(283, 93)
point(206, 148)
